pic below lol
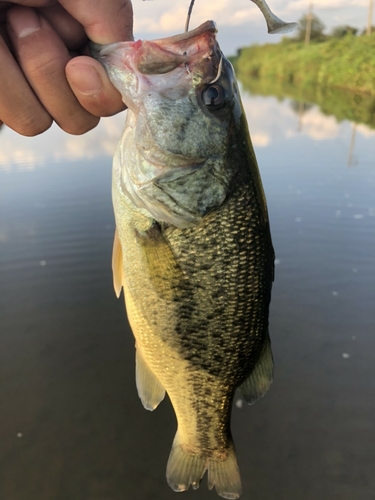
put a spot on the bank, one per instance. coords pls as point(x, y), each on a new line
point(346, 63)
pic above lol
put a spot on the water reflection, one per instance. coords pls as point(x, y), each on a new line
point(270, 123)
point(273, 120)
point(72, 426)
point(25, 153)
point(351, 159)
point(341, 104)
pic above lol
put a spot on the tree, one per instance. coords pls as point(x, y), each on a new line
point(341, 31)
point(317, 28)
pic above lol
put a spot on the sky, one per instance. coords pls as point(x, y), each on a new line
point(240, 22)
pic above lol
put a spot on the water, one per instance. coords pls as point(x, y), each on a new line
point(72, 427)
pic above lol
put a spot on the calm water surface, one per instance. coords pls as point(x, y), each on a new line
point(72, 427)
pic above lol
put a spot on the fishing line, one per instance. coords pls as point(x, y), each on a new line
point(274, 24)
point(189, 15)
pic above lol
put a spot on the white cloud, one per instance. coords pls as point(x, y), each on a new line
point(270, 122)
point(365, 131)
point(162, 16)
point(319, 127)
point(324, 4)
point(168, 19)
point(241, 23)
point(260, 139)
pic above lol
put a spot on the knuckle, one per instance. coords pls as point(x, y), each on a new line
point(43, 68)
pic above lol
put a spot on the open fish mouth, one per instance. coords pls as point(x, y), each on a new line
point(195, 50)
point(178, 45)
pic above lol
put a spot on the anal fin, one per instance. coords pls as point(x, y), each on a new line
point(117, 265)
point(260, 379)
point(150, 390)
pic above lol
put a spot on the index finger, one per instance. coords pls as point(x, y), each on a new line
point(104, 22)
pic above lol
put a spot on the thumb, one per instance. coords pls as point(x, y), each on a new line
point(104, 22)
point(88, 80)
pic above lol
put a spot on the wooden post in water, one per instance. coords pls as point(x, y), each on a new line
point(369, 20)
point(352, 144)
point(309, 19)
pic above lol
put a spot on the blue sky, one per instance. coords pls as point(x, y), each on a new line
point(240, 21)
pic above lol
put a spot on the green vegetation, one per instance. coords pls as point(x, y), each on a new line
point(341, 60)
point(346, 63)
point(335, 71)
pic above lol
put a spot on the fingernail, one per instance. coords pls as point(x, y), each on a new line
point(85, 79)
point(24, 22)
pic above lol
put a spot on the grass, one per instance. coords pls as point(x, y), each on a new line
point(346, 63)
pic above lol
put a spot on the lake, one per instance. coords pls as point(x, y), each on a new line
point(72, 427)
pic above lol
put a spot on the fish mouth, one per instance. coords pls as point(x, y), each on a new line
point(191, 49)
point(99, 51)
point(208, 26)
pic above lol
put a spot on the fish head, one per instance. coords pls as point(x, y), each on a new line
point(183, 113)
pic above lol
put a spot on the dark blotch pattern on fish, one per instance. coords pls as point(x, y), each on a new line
point(220, 302)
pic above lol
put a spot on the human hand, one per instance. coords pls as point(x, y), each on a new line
point(43, 75)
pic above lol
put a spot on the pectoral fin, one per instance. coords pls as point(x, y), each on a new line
point(260, 379)
point(117, 266)
point(150, 390)
point(161, 265)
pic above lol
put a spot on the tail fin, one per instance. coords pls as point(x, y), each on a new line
point(184, 469)
point(225, 476)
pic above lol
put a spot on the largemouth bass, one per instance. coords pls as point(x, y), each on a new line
point(192, 249)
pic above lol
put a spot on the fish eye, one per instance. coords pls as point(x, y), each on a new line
point(214, 96)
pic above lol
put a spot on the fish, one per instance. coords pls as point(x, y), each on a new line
point(192, 248)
